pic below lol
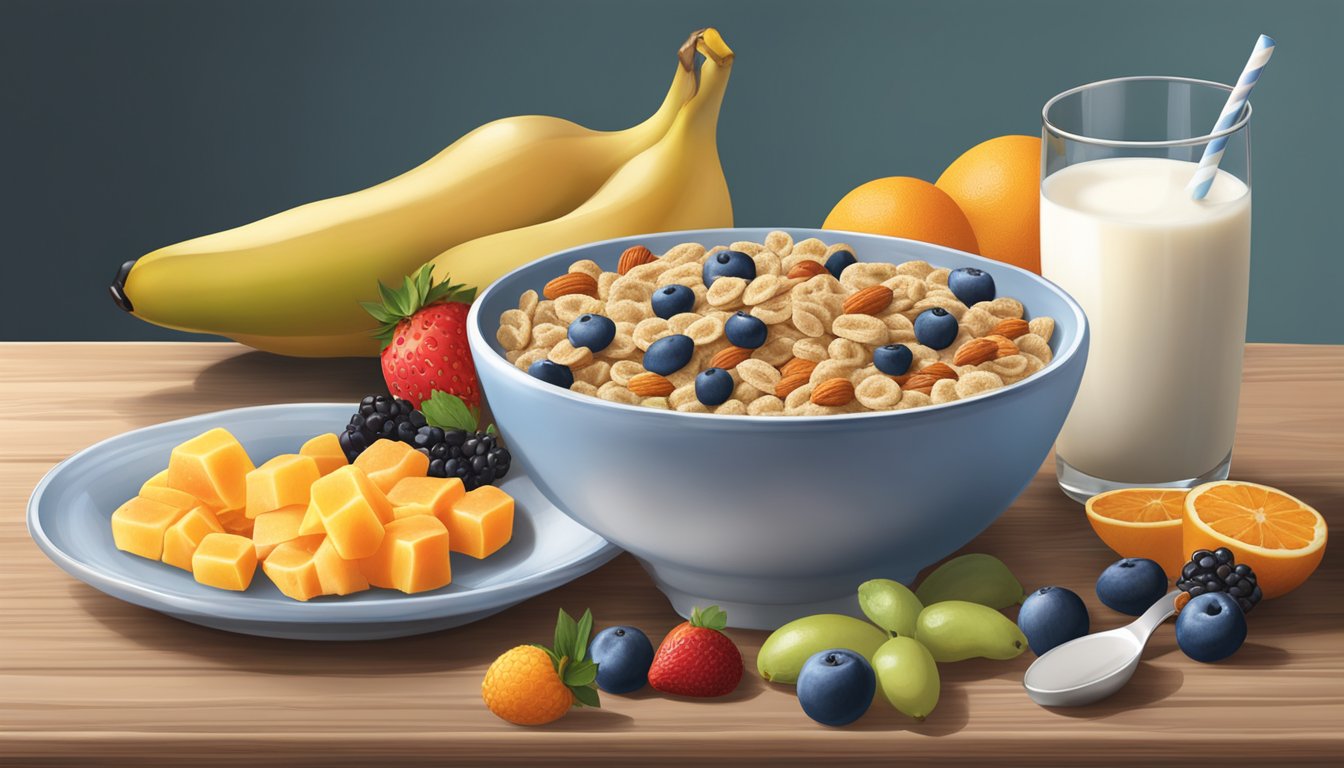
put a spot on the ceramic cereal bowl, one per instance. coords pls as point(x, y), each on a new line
point(777, 517)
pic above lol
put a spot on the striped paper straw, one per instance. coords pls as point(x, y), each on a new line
point(1236, 102)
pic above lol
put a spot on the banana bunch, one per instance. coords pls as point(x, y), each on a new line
point(508, 192)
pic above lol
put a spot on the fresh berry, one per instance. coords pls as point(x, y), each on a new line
point(534, 685)
point(838, 261)
point(936, 328)
point(475, 458)
point(1132, 585)
point(552, 373)
point(424, 336)
point(696, 658)
point(669, 354)
point(673, 300)
point(623, 656)
point(893, 359)
point(379, 417)
point(713, 386)
point(728, 264)
point(746, 331)
point(1211, 627)
point(595, 332)
point(971, 285)
point(835, 687)
point(1052, 616)
point(1218, 571)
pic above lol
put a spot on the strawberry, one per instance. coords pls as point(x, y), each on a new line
point(424, 335)
point(696, 658)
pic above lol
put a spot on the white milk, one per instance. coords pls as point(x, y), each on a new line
point(1163, 280)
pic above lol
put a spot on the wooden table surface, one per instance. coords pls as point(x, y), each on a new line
point(86, 678)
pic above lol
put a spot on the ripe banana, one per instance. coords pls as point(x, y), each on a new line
point(675, 184)
point(292, 282)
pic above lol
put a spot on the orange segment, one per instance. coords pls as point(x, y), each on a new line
point(1141, 522)
point(1277, 535)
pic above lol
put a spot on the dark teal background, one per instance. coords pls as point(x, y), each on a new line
point(130, 125)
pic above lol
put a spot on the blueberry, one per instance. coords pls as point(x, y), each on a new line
point(837, 262)
point(713, 386)
point(836, 686)
point(623, 656)
point(592, 331)
point(893, 359)
point(673, 300)
point(971, 285)
point(669, 354)
point(552, 373)
point(728, 264)
point(936, 328)
point(1052, 616)
point(1210, 627)
point(1132, 585)
point(743, 330)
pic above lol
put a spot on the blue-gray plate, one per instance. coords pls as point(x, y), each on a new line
point(70, 510)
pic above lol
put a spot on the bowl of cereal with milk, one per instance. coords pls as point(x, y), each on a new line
point(767, 418)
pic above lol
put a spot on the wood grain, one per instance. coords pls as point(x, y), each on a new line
point(87, 679)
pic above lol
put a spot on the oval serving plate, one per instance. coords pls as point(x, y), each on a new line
point(69, 516)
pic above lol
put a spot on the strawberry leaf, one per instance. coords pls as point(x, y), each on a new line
point(565, 632)
point(712, 617)
point(584, 629)
point(580, 673)
point(586, 696)
point(447, 411)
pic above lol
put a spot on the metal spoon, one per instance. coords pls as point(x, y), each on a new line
point(1095, 666)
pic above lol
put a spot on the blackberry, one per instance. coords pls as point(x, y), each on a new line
point(475, 458)
point(1218, 571)
point(380, 418)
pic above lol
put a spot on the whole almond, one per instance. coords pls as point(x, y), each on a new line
point(649, 384)
point(570, 282)
point(868, 301)
point(634, 256)
point(976, 351)
point(728, 357)
point(798, 365)
point(1004, 345)
point(1011, 328)
point(789, 383)
point(924, 379)
point(806, 269)
point(833, 392)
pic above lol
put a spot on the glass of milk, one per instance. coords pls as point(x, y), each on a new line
point(1163, 278)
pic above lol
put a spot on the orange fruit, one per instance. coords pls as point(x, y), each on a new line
point(523, 687)
point(1142, 522)
point(900, 206)
point(1280, 537)
point(997, 185)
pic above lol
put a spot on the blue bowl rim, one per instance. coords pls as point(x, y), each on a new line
point(496, 361)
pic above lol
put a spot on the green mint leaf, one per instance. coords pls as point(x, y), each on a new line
point(586, 696)
point(584, 629)
point(490, 430)
point(565, 632)
point(580, 674)
point(447, 411)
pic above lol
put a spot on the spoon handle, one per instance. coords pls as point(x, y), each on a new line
point(1152, 618)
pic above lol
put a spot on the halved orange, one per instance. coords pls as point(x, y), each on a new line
point(1141, 522)
point(1279, 536)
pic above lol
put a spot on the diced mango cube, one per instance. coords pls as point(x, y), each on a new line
point(413, 556)
point(292, 569)
point(425, 496)
point(183, 537)
point(337, 575)
point(212, 467)
point(159, 480)
point(481, 522)
point(387, 461)
point(235, 521)
point(284, 481)
point(271, 529)
point(326, 451)
point(353, 511)
point(170, 496)
point(312, 521)
point(138, 526)
point(225, 561)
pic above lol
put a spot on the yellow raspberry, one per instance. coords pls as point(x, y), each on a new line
point(522, 687)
